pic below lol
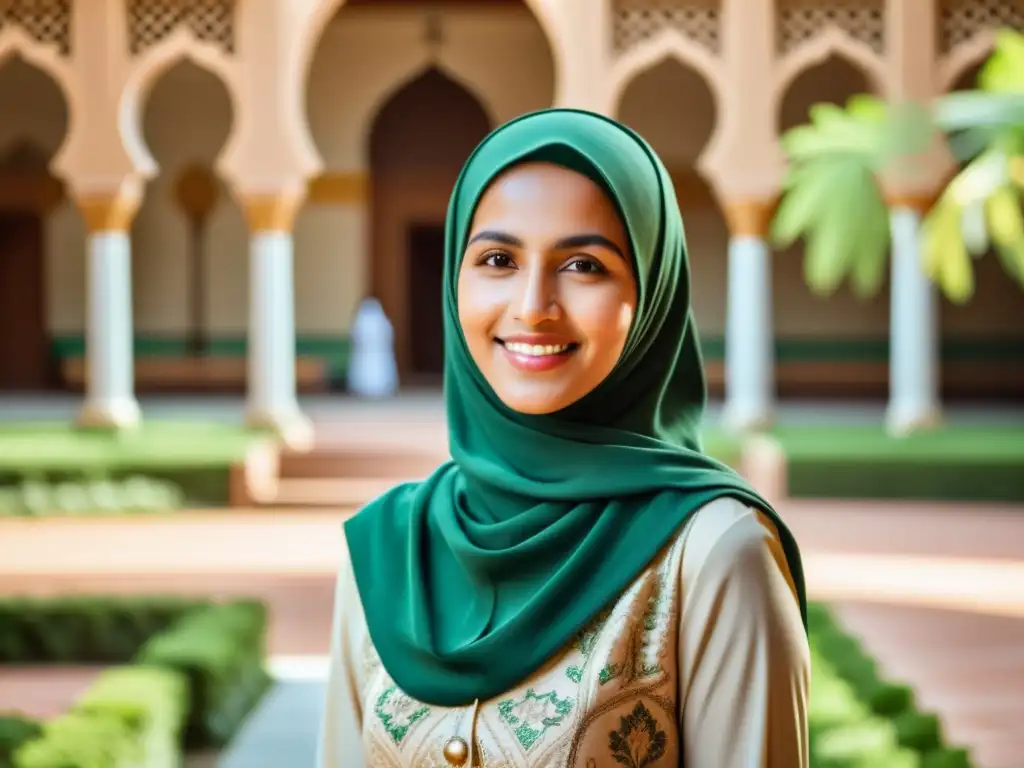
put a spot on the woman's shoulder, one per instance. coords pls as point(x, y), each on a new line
point(728, 540)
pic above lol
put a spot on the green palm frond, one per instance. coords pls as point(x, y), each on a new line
point(988, 126)
point(831, 198)
point(830, 195)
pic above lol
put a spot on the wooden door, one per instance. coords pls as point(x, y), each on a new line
point(24, 353)
point(426, 303)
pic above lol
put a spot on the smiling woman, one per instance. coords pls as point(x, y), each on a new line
point(581, 585)
point(546, 291)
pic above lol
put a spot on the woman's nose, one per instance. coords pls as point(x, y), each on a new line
point(538, 301)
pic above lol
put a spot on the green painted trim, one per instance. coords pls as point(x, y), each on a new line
point(334, 348)
point(331, 348)
point(876, 350)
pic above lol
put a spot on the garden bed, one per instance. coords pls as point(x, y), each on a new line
point(184, 674)
point(55, 468)
point(859, 719)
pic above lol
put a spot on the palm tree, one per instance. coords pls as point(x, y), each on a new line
point(832, 196)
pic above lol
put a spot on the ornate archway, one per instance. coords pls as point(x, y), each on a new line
point(181, 294)
point(368, 60)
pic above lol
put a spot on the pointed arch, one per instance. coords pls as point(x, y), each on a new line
point(666, 45)
point(15, 43)
point(325, 10)
point(963, 57)
point(412, 175)
point(178, 47)
point(831, 42)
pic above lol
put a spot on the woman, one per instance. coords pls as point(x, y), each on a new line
point(580, 586)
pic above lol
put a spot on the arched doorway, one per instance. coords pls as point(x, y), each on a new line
point(362, 59)
point(189, 281)
point(419, 141)
point(836, 345)
point(34, 124)
point(672, 107)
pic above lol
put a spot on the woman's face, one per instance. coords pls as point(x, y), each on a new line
point(546, 288)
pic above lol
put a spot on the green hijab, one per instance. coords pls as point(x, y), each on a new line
point(473, 578)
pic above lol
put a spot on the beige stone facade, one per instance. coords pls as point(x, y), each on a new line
point(193, 126)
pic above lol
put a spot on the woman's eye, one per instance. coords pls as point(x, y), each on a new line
point(499, 260)
point(586, 267)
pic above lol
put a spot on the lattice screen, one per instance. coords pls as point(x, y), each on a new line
point(45, 21)
point(960, 20)
point(150, 21)
point(637, 20)
point(800, 20)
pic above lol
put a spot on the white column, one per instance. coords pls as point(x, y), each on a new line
point(110, 376)
point(749, 338)
point(272, 399)
point(913, 331)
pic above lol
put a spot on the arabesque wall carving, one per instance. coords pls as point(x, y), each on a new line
point(799, 21)
point(960, 20)
point(150, 22)
point(636, 21)
point(47, 22)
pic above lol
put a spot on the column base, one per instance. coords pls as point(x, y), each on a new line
point(113, 415)
point(902, 420)
point(744, 417)
point(291, 427)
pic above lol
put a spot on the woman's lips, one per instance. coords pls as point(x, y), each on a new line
point(537, 354)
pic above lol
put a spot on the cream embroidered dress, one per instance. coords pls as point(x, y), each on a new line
point(703, 663)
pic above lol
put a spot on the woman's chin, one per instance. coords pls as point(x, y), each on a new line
point(536, 398)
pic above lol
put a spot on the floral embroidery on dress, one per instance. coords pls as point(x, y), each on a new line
point(398, 712)
point(531, 716)
point(638, 742)
point(640, 661)
point(585, 642)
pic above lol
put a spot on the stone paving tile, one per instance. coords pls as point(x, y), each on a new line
point(43, 692)
point(282, 732)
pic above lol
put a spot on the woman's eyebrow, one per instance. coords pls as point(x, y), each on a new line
point(496, 237)
point(584, 240)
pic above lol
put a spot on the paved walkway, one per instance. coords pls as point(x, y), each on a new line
point(282, 732)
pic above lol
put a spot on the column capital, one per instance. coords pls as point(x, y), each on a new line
point(749, 216)
point(107, 208)
point(919, 202)
point(272, 212)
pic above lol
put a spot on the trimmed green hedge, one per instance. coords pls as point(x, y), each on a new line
point(84, 630)
point(15, 730)
point(220, 651)
point(194, 669)
point(858, 719)
point(35, 497)
point(131, 716)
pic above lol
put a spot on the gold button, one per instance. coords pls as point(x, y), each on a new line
point(456, 751)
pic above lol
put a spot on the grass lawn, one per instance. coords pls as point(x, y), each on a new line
point(951, 463)
point(949, 444)
point(60, 447)
point(723, 446)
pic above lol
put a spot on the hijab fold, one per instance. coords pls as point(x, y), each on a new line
point(472, 579)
